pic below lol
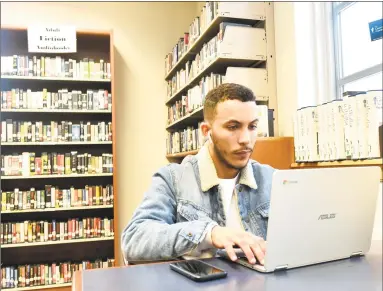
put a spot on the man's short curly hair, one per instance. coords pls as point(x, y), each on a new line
point(227, 91)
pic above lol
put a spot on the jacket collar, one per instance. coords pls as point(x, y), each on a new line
point(208, 173)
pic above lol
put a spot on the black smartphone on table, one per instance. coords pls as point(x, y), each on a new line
point(198, 270)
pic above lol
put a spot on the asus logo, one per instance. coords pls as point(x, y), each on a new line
point(326, 216)
point(285, 182)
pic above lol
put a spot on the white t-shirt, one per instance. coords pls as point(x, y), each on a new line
point(230, 203)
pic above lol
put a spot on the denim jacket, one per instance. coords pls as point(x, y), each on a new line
point(184, 202)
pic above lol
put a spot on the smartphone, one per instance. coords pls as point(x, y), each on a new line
point(198, 271)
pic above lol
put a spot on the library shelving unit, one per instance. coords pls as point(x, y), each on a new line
point(81, 163)
point(344, 163)
point(345, 132)
point(229, 42)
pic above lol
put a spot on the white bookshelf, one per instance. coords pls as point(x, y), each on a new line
point(57, 242)
point(214, 65)
point(211, 30)
point(242, 53)
point(56, 176)
point(11, 77)
point(41, 287)
point(56, 111)
point(91, 207)
point(55, 143)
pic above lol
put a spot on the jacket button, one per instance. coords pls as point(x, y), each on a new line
point(190, 234)
point(247, 220)
point(240, 188)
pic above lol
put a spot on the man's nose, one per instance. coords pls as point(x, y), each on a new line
point(244, 137)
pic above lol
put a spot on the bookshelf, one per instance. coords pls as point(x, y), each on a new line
point(212, 30)
point(217, 64)
point(71, 241)
point(181, 155)
point(61, 107)
point(344, 163)
point(57, 111)
point(346, 132)
point(48, 287)
point(55, 143)
point(72, 208)
point(227, 42)
point(52, 176)
point(53, 79)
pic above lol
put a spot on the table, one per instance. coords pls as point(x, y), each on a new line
point(354, 274)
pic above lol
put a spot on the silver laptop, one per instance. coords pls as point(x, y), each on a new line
point(319, 215)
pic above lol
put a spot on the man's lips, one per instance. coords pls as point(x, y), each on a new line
point(242, 152)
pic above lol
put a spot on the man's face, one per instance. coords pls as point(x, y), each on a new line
point(234, 131)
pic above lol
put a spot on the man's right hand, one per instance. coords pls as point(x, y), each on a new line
point(226, 238)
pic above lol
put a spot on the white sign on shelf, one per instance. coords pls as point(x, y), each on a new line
point(52, 39)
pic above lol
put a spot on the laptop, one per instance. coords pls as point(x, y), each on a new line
point(318, 215)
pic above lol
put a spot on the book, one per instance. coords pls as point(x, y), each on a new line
point(373, 112)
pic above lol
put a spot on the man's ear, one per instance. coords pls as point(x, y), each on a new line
point(205, 128)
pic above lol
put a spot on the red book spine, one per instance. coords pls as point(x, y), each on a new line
point(53, 273)
point(38, 166)
point(70, 225)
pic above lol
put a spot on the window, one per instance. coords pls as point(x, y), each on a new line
point(358, 59)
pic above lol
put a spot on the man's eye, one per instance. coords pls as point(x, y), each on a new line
point(253, 127)
point(232, 127)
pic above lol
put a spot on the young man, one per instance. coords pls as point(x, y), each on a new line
point(214, 200)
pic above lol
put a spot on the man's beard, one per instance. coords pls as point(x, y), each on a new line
point(221, 157)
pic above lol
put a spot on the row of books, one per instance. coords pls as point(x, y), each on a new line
point(32, 66)
point(180, 79)
point(66, 131)
point(62, 99)
point(54, 197)
point(189, 139)
point(194, 98)
point(341, 129)
point(31, 275)
point(29, 164)
point(203, 58)
point(198, 26)
point(43, 231)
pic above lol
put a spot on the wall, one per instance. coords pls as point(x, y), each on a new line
point(198, 8)
point(377, 233)
point(286, 66)
point(294, 76)
point(143, 33)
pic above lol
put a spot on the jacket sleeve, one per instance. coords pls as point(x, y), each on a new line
point(153, 234)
